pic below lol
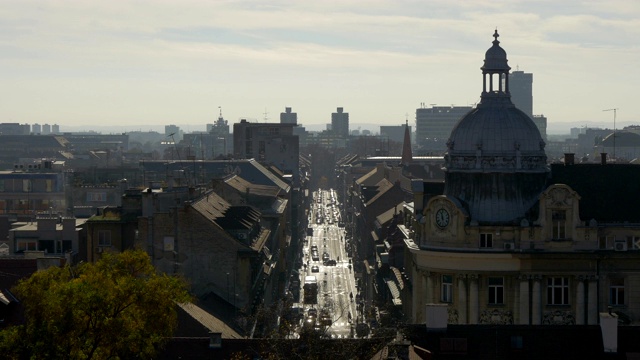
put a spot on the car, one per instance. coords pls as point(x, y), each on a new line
point(315, 269)
point(325, 256)
point(330, 262)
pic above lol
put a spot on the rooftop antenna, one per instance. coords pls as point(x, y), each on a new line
point(266, 115)
point(615, 111)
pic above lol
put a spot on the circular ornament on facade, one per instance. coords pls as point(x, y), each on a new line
point(442, 218)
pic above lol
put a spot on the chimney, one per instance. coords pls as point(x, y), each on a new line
point(603, 158)
point(569, 158)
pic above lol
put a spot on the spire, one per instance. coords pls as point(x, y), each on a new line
point(407, 155)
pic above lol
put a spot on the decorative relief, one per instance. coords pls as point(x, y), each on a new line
point(558, 317)
point(496, 317)
point(453, 315)
point(559, 197)
point(462, 162)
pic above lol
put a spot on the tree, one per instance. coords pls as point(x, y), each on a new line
point(116, 308)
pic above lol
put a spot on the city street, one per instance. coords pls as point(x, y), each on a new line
point(332, 268)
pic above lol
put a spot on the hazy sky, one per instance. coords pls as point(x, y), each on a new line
point(161, 62)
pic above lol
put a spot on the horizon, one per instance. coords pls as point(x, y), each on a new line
point(66, 62)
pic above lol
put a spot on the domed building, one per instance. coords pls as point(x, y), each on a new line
point(495, 165)
point(512, 239)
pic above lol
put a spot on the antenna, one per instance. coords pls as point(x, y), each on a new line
point(615, 111)
point(266, 115)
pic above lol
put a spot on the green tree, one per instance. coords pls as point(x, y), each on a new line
point(116, 308)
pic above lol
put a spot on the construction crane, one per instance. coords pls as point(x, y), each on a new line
point(615, 111)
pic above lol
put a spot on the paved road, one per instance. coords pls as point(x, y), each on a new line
point(336, 283)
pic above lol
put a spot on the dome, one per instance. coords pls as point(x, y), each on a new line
point(495, 164)
point(496, 130)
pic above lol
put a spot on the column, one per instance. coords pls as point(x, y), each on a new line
point(536, 306)
point(473, 299)
point(524, 300)
point(417, 291)
point(423, 298)
point(592, 301)
point(462, 300)
point(580, 300)
point(431, 291)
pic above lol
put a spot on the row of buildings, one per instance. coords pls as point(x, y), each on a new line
point(492, 234)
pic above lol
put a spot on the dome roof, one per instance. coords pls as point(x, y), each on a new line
point(496, 130)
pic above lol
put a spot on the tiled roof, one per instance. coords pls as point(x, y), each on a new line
point(209, 321)
point(243, 186)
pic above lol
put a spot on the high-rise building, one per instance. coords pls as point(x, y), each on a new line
point(46, 129)
point(270, 144)
point(340, 123)
point(55, 129)
point(521, 88)
point(173, 132)
point(434, 125)
point(394, 132)
point(288, 117)
point(14, 129)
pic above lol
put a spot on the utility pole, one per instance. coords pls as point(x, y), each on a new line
point(615, 111)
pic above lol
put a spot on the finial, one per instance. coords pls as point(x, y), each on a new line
point(406, 119)
point(496, 35)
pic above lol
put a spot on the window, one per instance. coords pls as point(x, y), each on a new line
point(447, 288)
point(496, 290)
point(26, 185)
point(104, 238)
point(558, 291)
point(249, 148)
point(616, 291)
point(486, 240)
point(558, 220)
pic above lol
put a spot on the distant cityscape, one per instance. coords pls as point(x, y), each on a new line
point(460, 232)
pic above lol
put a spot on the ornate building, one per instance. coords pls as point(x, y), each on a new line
point(511, 240)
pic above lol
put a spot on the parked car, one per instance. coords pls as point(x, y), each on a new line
point(315, 269)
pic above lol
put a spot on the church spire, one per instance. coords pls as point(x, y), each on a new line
point(407, 155)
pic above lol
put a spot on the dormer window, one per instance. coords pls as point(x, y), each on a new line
point(558, 221)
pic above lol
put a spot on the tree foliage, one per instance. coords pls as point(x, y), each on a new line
point(116, 308)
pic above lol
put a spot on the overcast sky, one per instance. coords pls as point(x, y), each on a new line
point(176, 62)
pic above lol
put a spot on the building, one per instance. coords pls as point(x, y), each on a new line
point(36, 129)
point(288, 117)
point(46, 129)
point(521, 89)
point(434, 124)
point(270, 144)
point(14, 129)
point(513, 241)
point(220, 141)
point(340, 123)
point(173, 132)
point(394, 132)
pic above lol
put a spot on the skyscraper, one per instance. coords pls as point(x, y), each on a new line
point(340, 123)
point(521, 87)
